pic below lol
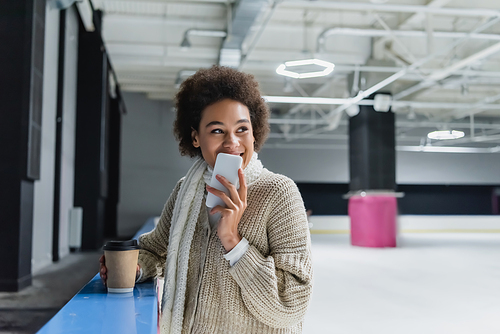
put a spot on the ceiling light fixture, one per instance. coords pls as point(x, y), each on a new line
point(304, 100)
point(445, 134)
point(352, 110)
point(382, 102)
point(185, 43)
point(328, 68)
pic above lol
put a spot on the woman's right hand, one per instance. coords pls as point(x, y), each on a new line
point(103, 271)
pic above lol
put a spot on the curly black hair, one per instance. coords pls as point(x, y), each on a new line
point(211, 85)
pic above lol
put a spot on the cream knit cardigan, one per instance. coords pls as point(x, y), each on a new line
point(268, 289)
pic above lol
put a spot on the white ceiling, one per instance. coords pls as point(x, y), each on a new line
point(441, 75)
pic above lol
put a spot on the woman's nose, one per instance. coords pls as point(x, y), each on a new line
point(231, 140)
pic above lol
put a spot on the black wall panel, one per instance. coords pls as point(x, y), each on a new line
point(91, 132)
point(445, 200)
point(97, 140)
point(326, 199)
point(22, 29)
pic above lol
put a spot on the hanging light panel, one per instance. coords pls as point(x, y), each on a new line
point(445, 134)
point(284, 69)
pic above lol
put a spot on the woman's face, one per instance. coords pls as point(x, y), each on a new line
point(225, 127)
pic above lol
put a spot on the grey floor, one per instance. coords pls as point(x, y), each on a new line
point(431, 283)
point(25, 312)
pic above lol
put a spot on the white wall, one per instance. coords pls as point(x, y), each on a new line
point(308, 165)
point(411, 167)
point(150, 161)
point(68, 129)
point(151, 164)
point(44, 188)
point(447, 168)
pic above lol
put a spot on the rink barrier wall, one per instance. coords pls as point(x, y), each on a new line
point(414, 224)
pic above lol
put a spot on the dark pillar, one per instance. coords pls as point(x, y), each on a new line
point(372, 155)
point(22, 30)
point(116, 108)
point(92, 132)
point(372, 205)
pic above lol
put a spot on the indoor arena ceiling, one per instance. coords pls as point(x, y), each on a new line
point(440, 60)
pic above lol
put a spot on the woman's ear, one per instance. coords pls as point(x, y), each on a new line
point(194, 137)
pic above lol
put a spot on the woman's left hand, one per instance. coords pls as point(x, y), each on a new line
point(236, 203)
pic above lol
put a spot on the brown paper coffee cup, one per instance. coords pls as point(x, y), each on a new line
point(121, 264)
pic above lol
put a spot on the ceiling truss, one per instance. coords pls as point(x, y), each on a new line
point(440, 59)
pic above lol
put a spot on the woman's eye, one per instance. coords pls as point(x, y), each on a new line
point(216, 131)
point(242, 129)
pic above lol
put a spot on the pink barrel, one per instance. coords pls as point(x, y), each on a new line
point(373, 221)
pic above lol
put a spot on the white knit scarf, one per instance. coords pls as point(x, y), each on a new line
point(184, 218)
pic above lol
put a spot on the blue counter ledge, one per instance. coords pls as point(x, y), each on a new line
point(93, 310)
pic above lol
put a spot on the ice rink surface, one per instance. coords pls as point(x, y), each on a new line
point(431, 283)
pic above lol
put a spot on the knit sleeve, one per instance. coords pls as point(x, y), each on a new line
point(276, 288)
point(153, 252)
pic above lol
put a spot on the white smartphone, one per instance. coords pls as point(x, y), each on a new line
point(226, 165)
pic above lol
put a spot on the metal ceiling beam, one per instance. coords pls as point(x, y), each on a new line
point(396, 40)
point(244, 14)
point(183, 2)
point(366, 7)
point(172, 55)
point(338, 68)
point(413, 66)
point(417, 18)
point(344, 68)
point(173, 63)
point(257, 36)
point(399, 123)
point(342, 101)
point(478, 108)
point(441, 74)
point(214, 23)
point(399, 139)
point(267, 57)
point(398, 33)
point(434, 124)
point(317, 92)
point(181, 22)
point(429, 149)
point(409, 23)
